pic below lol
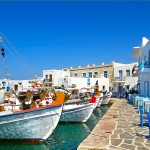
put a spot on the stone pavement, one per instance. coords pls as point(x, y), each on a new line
point(118, 130)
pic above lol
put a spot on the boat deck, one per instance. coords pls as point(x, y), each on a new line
point(118, 130)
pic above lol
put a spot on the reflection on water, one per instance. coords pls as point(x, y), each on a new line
point(69, 136)
point(96, 116)
point(104, 108)
point(66, 136)
point(5, 145)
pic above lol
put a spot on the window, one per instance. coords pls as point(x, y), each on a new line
point(90, 74)
point(75, 75)
point(127, 73)
point(147, 88)
point(8, 89)
point(50, 78)
point(46, 76)
point(105, 74)
point(84, 74)
point(120, 74)
point(144, 57)
point(88, 81)
point(149, 55)
point(95, 73)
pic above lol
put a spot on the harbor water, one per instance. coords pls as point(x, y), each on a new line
point(66, 136)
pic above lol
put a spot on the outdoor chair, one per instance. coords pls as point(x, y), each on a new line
point(143, 117)
point(148, 117)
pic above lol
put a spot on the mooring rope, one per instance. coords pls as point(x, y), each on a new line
point(88, 133)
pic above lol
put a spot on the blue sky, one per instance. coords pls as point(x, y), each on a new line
point(56, 35)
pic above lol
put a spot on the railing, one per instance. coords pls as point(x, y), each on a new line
point(119, 79)
point(48, 80)
point(144, 64)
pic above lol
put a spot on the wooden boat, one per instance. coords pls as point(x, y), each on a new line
point(98, 96)
point(31, 124)
point(100, 101)
point(106, 99)
point(77, 113)
point(77, 110)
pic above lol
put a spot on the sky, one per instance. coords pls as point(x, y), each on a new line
point(42, 35)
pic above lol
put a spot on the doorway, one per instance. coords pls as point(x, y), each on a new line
point(120, 91)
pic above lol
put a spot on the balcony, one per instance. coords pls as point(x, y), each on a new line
point(47, 82)
point(144, 67)
point(119, 79)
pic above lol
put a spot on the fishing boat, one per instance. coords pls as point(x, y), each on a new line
point(100, 101)
point(78, 110)
point(106, 99)
point(77, 113)
point(31, 124)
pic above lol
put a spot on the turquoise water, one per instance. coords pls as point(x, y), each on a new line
point(65, 137)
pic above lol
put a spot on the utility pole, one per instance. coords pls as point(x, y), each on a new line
point(6, 74)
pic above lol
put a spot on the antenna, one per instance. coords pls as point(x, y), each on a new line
point(4, 62)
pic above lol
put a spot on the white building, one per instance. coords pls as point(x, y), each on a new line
point(62, 77)
point(54, 77)
point(123, 80)
point(15, 85)
point(142, 53)
point(86, 82)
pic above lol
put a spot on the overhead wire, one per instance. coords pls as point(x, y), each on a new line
point(6, 73)
point(26, 67)
point(17, 55)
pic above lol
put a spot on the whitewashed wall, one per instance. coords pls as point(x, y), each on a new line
point(144, 77)
point(56, 75)
point(129, 80)
point(145, 49)
point(84, 82)
point(22, 84)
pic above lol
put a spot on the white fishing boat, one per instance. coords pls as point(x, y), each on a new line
point(97, 101)
point(100, 101)
point(77, 113)
point(33, 124)
point(80, 108)
point(106, 99)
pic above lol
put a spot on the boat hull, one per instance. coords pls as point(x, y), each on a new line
point(97, 102)
point(105, 100)
point(30, 125)
point(2, 96)
point(100, 102)
point(77, 113)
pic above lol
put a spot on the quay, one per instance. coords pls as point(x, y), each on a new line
point(118, 129)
